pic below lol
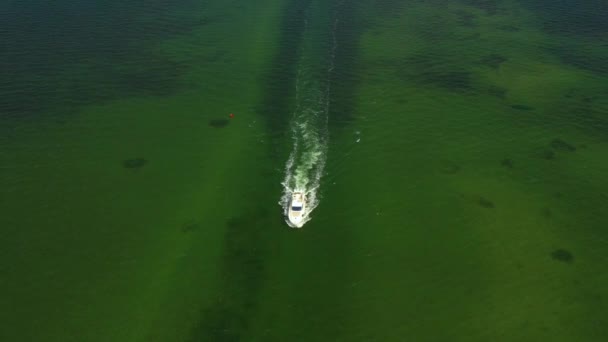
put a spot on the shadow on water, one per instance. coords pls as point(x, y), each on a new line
point(61, 55)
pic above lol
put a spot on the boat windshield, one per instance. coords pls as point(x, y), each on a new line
point(296, 208)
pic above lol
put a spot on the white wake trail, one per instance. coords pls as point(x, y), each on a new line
point(305, 166)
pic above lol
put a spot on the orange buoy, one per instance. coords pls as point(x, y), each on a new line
point(231, 115)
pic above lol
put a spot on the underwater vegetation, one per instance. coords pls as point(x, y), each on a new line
point(190, 226)
point(491, 7)
point(562, 255)
point(497, 91)
point(454, 80)
point(521, 107)
point(493, 60)
point(449, 168)
point(219, 123)
point(135, 163)
point(585, 60)
point(581, 95)
point(242, 274)
point(560, 145)
point(548, 155)
point(509, 28)
point(465, 18)
point(34, 60)
point(434, 71)
point(449, 80)
point(573, 18)
point(485, 203)
point(344, 78)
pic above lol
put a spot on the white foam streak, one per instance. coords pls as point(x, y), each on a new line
point(305, 166)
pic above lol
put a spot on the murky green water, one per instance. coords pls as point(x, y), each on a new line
point(463, 193)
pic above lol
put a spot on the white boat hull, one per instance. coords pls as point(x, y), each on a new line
point(297, 210)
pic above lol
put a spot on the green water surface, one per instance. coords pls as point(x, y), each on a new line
point(464, 195)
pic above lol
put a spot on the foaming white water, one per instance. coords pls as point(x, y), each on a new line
point(306, 162)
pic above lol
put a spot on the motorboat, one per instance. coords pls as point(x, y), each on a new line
point(296, 214)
